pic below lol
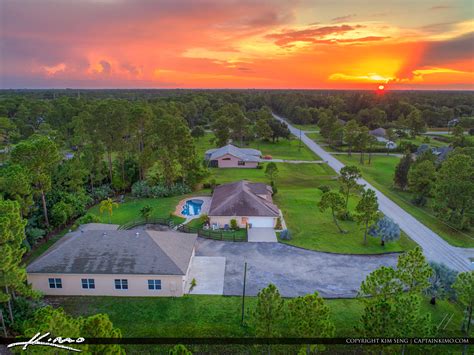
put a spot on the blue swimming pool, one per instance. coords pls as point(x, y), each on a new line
point(192, 207)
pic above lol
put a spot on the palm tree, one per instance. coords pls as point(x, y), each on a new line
point(108, 205)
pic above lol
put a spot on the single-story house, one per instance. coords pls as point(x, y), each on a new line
point(247, 202)
point(231, 156)
point(341, 122)
point(441, 153)
point(378, 132)
point(115, 263)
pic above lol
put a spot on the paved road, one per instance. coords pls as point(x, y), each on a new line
point(355, 154)
point(294, 271)
point(434, 247)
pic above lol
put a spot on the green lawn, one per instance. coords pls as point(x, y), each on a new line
point(130, 210)
point(283, 149)
point(306, 127)
point(297, 197)
point(217, 316)
point(380, 174)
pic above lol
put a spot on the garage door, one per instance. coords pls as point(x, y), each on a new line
point(261, 222)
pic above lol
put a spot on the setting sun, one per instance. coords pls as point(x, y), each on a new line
point(381, 87)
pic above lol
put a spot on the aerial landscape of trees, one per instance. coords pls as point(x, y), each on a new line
point(64, 151)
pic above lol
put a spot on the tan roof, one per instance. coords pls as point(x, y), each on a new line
point(241, 199)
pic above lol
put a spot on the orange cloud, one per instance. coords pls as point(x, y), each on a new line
point(229, 44)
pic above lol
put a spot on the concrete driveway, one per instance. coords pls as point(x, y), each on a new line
point(294, 271)
point(262, 235)
point(434, 247)
point(209, 275)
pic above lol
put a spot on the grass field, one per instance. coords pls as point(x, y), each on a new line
point(130, 210)
point(306, 127)
point(283, 149)
point(297, 197)
point(380, 174)
point(217, 316)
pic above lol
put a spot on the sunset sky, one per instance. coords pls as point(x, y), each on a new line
point(318, 44)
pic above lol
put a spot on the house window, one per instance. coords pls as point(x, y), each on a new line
point(121, 284)
point(154, 284)
point(241, 162)
point(226, 159)
point(88, 283)
point(55, 283)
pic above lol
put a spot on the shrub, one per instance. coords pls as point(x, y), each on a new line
point(285, 234)
point(33, 234)
point(324, 188)
point(278, 223)
point(102, 192)
point(192, 285)
point(344, 216)
point(233, 224)
point(88, 218)
point(61, 213)
point(142, 189)
point(259, 166)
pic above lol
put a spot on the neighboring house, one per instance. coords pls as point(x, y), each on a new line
point(378, 132)
point(246, 202)
point(341, 122)
point(115, 263)
point(441, 153)
point(231, 156)
point(454, 122)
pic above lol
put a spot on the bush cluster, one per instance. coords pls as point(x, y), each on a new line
point(142, 189)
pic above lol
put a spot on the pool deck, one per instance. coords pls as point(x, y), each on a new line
point(204, 208)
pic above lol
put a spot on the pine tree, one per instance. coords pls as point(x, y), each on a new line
point(269, 312)
point(401, 172)
point(12, 271)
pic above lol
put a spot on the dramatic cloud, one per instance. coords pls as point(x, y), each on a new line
point(345, 18)
point(232, 43)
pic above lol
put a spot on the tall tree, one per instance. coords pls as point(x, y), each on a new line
point(221, 130)
point(263, 130)
point(454, 191)
point(348, 181)
point(361, 142)
point(15, 184)
point(12, 270)
point(464, 287)
point(111, 124)
point(100, 326)
point(415, 123)
point(400, 178)
point(367, 211)
point(269, 312)
point(309, 317)
point(351, 131)
point(334, 201)
point(271, 171)
point(392, 299)
point(40, 156)
point(421, 178)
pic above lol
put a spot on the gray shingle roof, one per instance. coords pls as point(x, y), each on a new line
point(378, 132)
point(118, 252)
point(245, 154)
point(241, 199)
